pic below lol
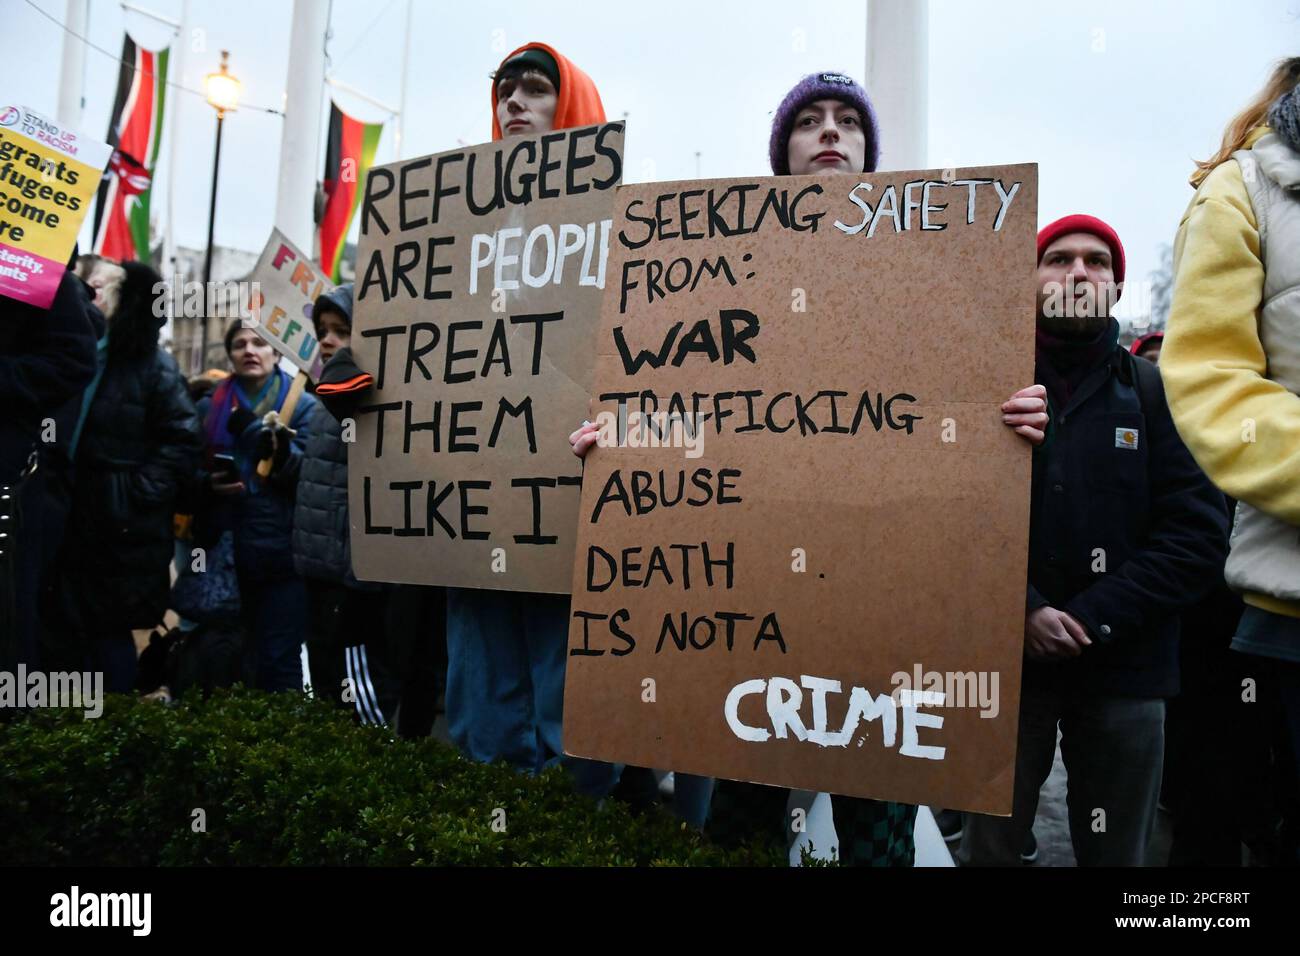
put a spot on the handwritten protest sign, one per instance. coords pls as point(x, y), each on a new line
point(480, 273)
point(285, 285)
point(804, 531)
point(48, 175)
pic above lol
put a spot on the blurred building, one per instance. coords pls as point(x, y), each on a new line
point(185, 307)
point(230, 269)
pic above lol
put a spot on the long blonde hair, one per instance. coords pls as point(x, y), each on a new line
point(1285, 76)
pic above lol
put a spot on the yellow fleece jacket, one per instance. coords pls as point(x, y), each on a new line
point(1214, 365)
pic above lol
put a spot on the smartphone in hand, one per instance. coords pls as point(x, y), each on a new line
point(223, 465)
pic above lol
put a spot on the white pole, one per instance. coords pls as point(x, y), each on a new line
point(898, 79)
point(172, 125)
point(72, 78)
point(399, 129)
point(172, 120)
point(300, 139)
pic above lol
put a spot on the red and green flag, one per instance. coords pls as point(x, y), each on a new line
point(134, 133)
point(349, 154)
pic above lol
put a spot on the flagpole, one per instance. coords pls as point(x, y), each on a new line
point(897, 78)
point(152, 16)
point(399, 132)
point(300, 137)
point(170, 267)
point(72, 78)
point(340, 85)
point(73, 75)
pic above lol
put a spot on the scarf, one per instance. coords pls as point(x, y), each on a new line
point(230, 395)
point(1284, 117)
point(1062, 364)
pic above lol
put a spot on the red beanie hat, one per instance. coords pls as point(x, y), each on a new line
point(1142, 341)
point(1089, 224)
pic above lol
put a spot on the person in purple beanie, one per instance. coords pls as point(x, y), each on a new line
point(826, 124)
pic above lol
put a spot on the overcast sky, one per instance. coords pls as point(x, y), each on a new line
point(1112, 98)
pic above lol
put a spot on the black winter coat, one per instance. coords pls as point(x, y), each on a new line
point(321, 541)
point(47, 356)
point(1125, 532)
point(140, 441)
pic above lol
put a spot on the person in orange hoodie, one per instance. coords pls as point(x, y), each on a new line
point(536, 90)
point(506, 650)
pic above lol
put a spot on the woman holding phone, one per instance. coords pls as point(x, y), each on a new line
point(258, 510)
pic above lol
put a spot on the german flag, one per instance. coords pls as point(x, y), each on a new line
point(348, 157)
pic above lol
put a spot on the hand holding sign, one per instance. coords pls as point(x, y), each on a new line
point(480, 277)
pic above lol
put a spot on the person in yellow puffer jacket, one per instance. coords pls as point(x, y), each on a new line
point(1231, 364)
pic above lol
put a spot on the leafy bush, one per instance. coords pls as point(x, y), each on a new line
point(285, 780)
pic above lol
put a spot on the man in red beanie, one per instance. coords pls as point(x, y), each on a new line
point(1125, 532)
point(1083, 249)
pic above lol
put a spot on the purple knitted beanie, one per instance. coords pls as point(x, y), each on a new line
point(821, 86)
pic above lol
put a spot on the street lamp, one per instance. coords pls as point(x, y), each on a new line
point(223, 96)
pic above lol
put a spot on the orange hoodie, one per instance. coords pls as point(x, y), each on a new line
point(578, 103)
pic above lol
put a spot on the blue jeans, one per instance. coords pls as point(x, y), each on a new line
point(113, 655)
point(274, 615)
point(692, 796)
point(506, 654)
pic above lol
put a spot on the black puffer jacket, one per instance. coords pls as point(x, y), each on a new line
point(140, 440)
point(46, 358)
point(322, 549)
point(321, 545)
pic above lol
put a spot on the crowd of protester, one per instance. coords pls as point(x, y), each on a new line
point(1170, 674)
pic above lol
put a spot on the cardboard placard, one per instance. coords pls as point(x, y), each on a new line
point(838, 526)
point(479, 279)
point(48, 177)
point(285, 285)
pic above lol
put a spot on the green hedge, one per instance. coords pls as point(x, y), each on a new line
point(284, 780)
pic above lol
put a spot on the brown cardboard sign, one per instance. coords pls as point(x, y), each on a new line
point(802, 550)
point(479, 280)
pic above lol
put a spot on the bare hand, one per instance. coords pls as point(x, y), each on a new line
point(1053, 635)
point(582, 440)
point(1026, 412)
point(225, 489)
